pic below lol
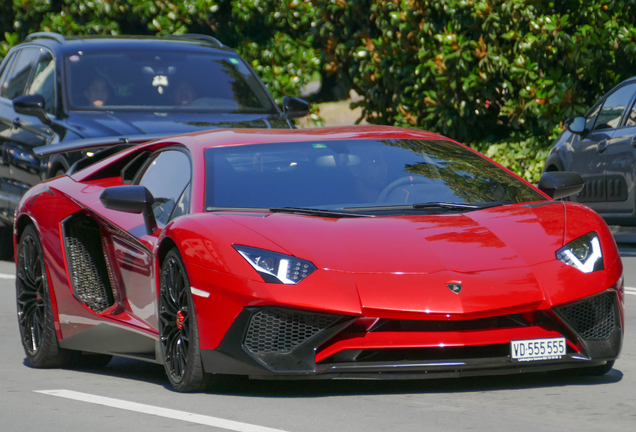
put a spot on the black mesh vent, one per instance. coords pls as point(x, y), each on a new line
point(593, 318)
point(280, 331)
point(86, 264)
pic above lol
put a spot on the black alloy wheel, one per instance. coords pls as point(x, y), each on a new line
point(178, 328)
point(35, 314)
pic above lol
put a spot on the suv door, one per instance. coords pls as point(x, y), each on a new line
point(166, 175)
point(621, 162)
point(33, 68)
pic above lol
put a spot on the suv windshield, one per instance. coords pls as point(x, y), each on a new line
point(336, 175)
point(163, 80)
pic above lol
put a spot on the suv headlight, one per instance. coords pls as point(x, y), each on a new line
point(275, 267)
point(584, 253)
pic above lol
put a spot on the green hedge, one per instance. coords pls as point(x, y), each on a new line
point(501, 75)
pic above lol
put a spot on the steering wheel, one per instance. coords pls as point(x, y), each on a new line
point(388, 190)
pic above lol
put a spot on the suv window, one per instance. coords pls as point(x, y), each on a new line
point(166, 177)
point(163, 81)
point(5, 71)
point(16, 83)
point(614, 106)
point(44, 80)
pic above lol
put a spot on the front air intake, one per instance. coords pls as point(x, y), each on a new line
point(274, 330)
point(593, 318)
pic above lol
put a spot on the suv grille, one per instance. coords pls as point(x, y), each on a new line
point(280, 331)
point(593, 318)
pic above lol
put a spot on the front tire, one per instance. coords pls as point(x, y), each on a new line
point(178, 328)
point(35, 313)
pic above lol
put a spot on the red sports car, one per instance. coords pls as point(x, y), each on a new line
point(356, 252)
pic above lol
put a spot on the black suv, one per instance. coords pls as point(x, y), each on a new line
point(55, 89)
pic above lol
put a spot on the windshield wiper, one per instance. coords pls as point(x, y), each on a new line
point(316, 212)
point(441, 205)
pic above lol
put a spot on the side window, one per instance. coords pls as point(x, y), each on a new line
point(614, 106)
point(18, 78)
point(44, 80)
point(631, 118)
point(589, 121)
point(167, 177)
point(5, 72)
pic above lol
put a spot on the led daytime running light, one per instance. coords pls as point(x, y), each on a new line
point(275, 267)
point(584, 253)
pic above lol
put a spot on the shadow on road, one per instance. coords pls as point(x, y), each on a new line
point(240, 386)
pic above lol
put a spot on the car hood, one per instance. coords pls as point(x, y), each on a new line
point(503, 237)
point(98, 124)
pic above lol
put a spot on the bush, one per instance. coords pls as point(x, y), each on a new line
point(501, 75)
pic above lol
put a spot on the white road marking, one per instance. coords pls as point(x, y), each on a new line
point(6, 276)
point(158, 411)
point(630, 290)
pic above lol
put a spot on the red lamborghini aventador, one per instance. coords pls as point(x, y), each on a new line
point(369, 252)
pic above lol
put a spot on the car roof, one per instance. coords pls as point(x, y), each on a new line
point(65, 44)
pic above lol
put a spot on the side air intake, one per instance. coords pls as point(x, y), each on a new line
point(86, 263)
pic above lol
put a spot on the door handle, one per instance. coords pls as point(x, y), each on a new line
point(602, 146)
point(16, 122)
point(634, 140)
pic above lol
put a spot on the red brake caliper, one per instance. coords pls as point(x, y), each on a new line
point(180, 319)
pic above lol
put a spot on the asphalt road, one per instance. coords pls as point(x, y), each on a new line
point(134, 396)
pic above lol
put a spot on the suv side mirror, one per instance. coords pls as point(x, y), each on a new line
point(32, 105)
point(131, 199)
point(295, 107)
point(576, 125)
point(559, 184)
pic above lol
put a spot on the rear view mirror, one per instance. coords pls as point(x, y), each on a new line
point(576, 125)
point(294, 107)
point(131, 199)
point(559, 184)
point(31, 105)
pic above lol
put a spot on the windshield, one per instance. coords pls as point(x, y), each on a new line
point(163, 81)
point(336, 175)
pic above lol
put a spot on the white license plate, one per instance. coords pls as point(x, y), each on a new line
point(538, 349)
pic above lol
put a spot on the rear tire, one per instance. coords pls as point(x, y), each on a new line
point(35, 313)
point(178, 331)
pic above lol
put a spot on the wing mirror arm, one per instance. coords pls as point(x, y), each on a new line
point(131, 199)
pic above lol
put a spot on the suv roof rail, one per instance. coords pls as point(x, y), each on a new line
point(46, 35)
point(203, 38)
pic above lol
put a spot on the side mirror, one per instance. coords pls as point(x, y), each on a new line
point(32, 105)
point(295, 107)
point(559, 184)
point(576, 125)
point(131, 199)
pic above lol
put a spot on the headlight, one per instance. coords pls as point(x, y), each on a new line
point(584, 253)
point(275, 267)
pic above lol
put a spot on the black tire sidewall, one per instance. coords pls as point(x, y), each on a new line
point(194, 377)
point(48, 354)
